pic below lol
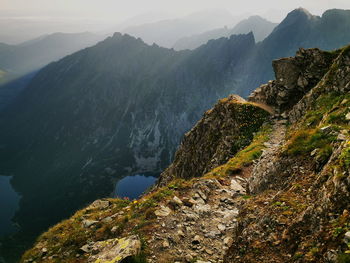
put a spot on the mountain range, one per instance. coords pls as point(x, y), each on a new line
point(166, 32)
point(122, 106)
point(254, 181)
point(260, 27)
point(19, 63)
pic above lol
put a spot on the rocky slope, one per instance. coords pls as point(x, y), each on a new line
point(281, 196)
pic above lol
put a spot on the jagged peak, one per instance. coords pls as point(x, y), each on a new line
point(296, 16)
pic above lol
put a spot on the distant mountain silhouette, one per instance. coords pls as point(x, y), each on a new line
point(260, 27)
point(166, 32)
point(19, 62)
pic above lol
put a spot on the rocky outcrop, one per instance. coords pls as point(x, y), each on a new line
point(295, 76)
point(220, 134)
point(337, 80)
point(300, 211)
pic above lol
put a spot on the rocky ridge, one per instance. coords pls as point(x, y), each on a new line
point(282, 196)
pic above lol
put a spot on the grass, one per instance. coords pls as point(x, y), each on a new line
point(245, 156)
point(305, 141)
point(344, 158)
point(328, 110)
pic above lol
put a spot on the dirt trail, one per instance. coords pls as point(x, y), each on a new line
point(201, 222)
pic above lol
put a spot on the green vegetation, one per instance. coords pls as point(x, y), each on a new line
point(246, 156)
point(305, 141)
point(343, 258)
point(312, 133)
point(345, 158)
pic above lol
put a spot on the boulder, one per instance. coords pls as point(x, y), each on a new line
point(87, 223)
point(163, 211)
point(99, 204)
point(115, 250)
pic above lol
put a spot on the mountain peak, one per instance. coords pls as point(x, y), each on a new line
point(300, 13)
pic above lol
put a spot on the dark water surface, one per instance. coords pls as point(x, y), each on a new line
point(133, 186)
point(9, 201)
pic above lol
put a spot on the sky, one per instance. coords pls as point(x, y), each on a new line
point(119, 10)
point(35, 17)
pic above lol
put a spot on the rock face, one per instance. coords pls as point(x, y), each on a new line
point(221, 133)
point(299, 213)
point(295, 76)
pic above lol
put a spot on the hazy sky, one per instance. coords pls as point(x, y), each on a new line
point(21, 20)
point(119, 10)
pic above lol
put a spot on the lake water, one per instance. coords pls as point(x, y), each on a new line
point(133, 186)
point(9, 201)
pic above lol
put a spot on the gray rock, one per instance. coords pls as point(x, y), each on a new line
point(115, 250)
point(235, 186)
point(228, 241)
point(165, 244)
point(341, 137)
point(177, 201)
point(86, 248)
point(87, 223)
point(163, 211)
point(108, 219)
point(326, 129)
point(347, 116)
point(221, 227)
point(99, 204)
point(314, 152)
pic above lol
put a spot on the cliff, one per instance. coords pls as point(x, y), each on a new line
point(245, 186)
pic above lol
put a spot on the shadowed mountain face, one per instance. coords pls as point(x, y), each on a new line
point(122, 106)
point(260, 27)
point(18, 63)
point(117, 108)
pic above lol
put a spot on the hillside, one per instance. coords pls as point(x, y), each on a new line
point(269, 188)
point(260, 27)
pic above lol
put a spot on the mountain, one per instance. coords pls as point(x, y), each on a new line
point(106, 112)
point(121, 107)
point(298, 29)
point(264, 180)
point(32, 55)
point(260, 27)
point(18, 63)
point(166, 32)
